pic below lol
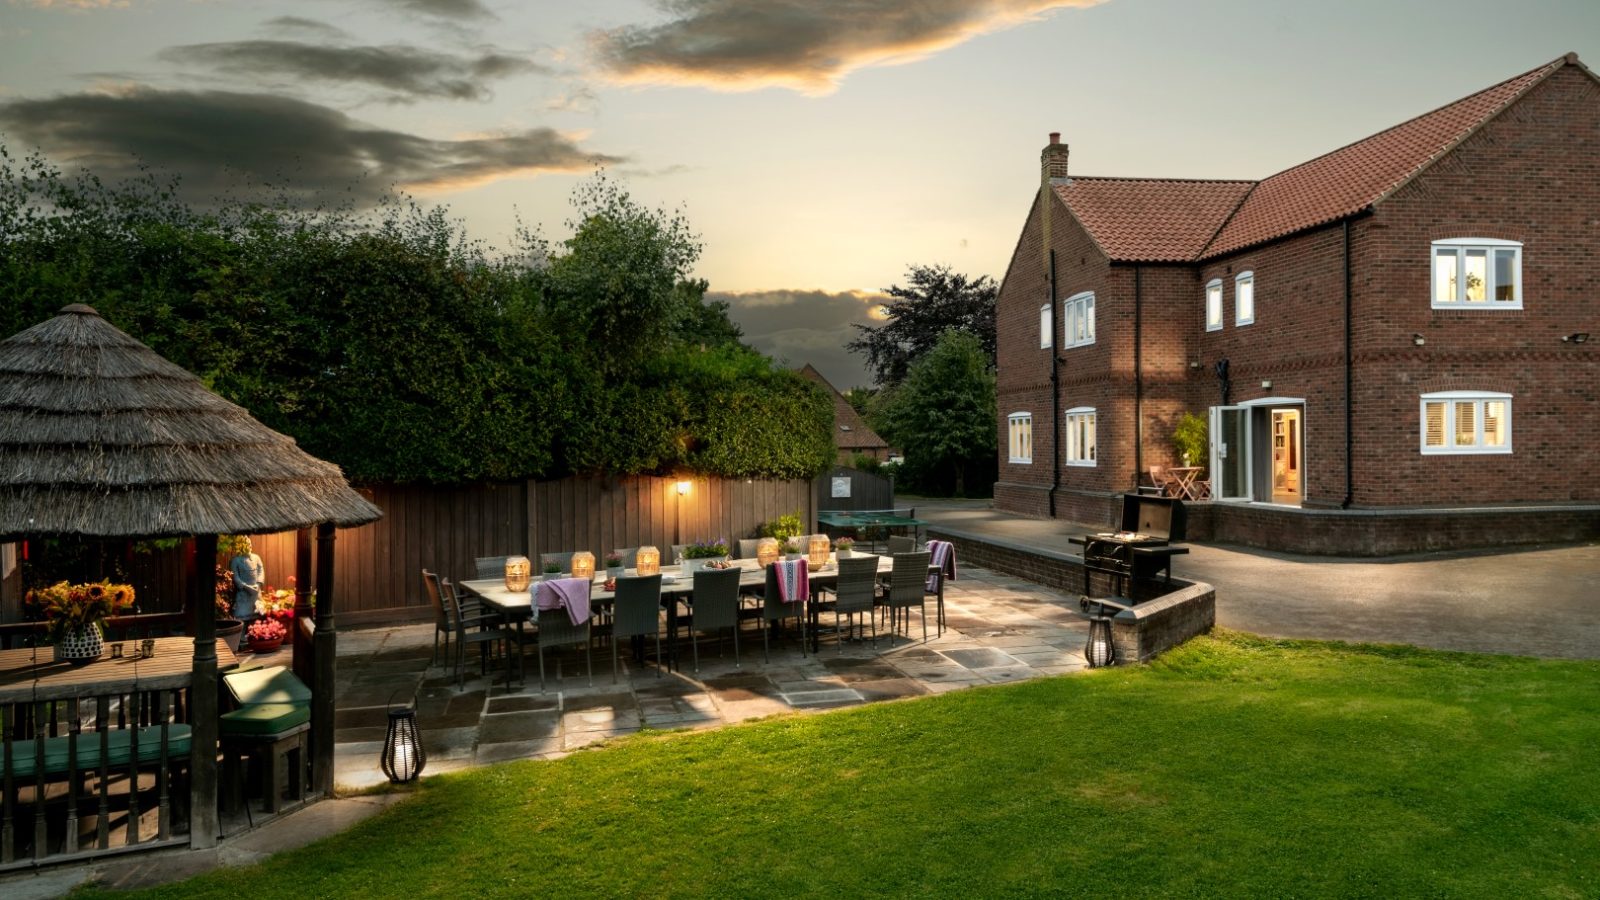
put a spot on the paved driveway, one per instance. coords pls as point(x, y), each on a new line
point(1536, 602)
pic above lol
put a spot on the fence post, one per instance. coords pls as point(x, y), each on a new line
point(203, 819)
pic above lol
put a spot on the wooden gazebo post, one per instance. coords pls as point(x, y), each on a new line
point(324, 653)
point(205, 826)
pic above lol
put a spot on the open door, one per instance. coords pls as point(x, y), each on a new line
point(1286, 456)
point(1230, 453)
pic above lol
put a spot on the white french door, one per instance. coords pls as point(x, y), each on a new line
point(1230, 452)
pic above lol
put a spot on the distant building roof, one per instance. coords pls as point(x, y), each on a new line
point(1170, 220)
point(850, 431)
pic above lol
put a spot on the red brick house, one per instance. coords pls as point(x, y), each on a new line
point(1389, 342)
point(851, 433)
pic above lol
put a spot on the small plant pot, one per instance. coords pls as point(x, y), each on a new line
point(265, 646)
point(794, 556)
point(615, 571)
point(846, 553)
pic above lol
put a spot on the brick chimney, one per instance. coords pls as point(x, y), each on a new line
point(1053, 160)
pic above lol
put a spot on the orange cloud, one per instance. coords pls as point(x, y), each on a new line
point(803, 45)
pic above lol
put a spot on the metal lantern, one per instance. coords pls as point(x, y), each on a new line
point(583, 564)
point(817, 551)
point(519, 572)
point(403, 756)
point(648, 561)
point(1100, 651)
point(767, 551)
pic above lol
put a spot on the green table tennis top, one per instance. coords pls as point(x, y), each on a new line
point(845, 519)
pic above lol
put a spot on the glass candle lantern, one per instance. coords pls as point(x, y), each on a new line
point(767, 551)
point(583, 564)
point(648, 561)
point(519, 572)
point(1100, 650)
point(817, 551)
point(403, 757)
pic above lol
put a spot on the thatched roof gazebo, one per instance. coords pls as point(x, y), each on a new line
point(100, 437)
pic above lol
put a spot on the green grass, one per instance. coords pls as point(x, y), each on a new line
point(1234, 766)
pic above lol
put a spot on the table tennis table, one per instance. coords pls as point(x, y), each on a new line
point(871, 525)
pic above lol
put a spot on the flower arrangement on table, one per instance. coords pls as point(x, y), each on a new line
point(706, 549)
point(266, 631)
point(70, 609)
point(613, 560)
point(552, 568)
point(845, 547)
point(791, 548)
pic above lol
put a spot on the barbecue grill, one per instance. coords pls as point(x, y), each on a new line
point(1142, 547)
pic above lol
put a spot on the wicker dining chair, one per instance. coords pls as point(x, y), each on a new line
point(899, 543)
point(748, 547)
point(908, 582)
point(491, 567)
point(556, 630)
point(774, 610)
point(715, 606)
point(479, 629)
point(636, 612)
point(855, 593)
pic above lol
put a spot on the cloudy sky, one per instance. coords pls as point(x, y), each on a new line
point(819, 146)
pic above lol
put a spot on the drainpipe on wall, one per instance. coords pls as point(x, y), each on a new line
point(1138, 376)
point(1055, 390)
point(1349, 379)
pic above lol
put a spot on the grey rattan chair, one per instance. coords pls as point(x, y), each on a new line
point(491, 567)
point(774, 610)
point(856, 593)
point(477, 629)
point(441, 619)
point(556, 630)
point(899, 543)
point(748, 547)
point(630, 556)
point(716, 606)
point(908, 582)
point(636, 612)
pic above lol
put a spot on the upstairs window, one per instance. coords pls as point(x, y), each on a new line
point(1021, 430)
point(1080, 434)
point(1477, 273)
point(1045, 321)
point(1079, 312)
point(1244, 298)
point(1466, 422)
point(1214, 305)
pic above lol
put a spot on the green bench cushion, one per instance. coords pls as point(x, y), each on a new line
point(265, 718)
point(119, 744)
point(274, 684)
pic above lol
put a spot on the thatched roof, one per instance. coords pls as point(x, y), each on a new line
point(101, 437)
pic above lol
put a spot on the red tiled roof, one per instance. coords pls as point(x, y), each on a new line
point(1151, 219)
point(1354, 177)
point(850, 431)
point(1169, 220)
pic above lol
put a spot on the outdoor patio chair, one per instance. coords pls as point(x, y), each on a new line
point(1163, 482)
point(908, 582)
point(855, 593)
point(441, 620)
point(774, 610)
point(715, 606)
point(636, 612)
point(556, 630)
point(899, 543)
point(748, 547)
point(491, 567)
point(474, 626)
point(630, 556)
point(564, 560)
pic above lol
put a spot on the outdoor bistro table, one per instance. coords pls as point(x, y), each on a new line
point(1184, 486)
point(518, 605)
point(31, 673)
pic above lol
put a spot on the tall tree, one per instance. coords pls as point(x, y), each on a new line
point(934, 299)
point(943, 416)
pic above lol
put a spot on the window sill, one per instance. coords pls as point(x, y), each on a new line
point(1486, 306)
point(1080, 464)
point(1213, 328)
point(1467, 451)
point(1020, 462)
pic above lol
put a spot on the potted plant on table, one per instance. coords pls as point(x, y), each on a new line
point(614, 567)
point(266, 635)
point(74, 613)
point(791, 549)
point(846, 547)
point(697, 555)
point(552, 570)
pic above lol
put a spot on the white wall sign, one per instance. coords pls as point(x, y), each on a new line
point(841, 486)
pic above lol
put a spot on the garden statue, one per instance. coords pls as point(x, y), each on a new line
point(248, 576)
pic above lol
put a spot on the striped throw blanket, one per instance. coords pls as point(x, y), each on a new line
point(793, 578)
point(942, 559)
point(571, 594)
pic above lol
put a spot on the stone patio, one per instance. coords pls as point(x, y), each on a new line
point(999, 629)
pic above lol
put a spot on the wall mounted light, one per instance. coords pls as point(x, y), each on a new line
point(1418, 339)
point(1577, 337)
point(1194, 363)
point(683, 488)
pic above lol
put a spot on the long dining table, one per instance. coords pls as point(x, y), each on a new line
point(517, 606)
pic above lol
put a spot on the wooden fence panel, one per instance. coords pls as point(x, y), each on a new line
point(866, 491)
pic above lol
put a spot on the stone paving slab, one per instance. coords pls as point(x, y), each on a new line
point(999, 629)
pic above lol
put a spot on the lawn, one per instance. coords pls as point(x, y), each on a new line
point(1233, 766)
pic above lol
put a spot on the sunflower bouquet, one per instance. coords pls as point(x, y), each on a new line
point(69, 608)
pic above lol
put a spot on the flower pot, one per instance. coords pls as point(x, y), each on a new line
point(845, 552)
point(794, 556)
point(231, 629)
point(80, 646)
point(615, 572)
point(258, 646)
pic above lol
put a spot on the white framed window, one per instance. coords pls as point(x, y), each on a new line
point(1214, 305)
point(1466, 422)
point(1021, 431)
point(1045, 321)
point(1477, 273)
point(1244, 298)
point(1078, 311)
point(1080, 436)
